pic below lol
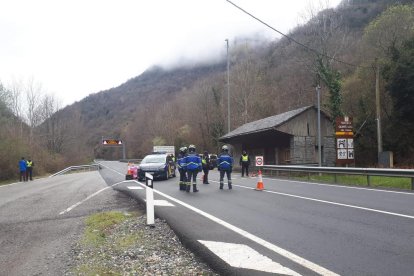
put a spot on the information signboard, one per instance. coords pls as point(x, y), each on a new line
point(344, 140)
point(111, 142)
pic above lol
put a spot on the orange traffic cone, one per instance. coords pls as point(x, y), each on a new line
point(260, 186)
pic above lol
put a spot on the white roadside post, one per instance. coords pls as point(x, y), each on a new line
point(149, 199)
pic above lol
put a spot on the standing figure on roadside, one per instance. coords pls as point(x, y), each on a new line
point(22, 169)
point(225, 166)
point(245, 163)
point(205, 161)
point(193, 162)
point(29, 169)
point(182, 168)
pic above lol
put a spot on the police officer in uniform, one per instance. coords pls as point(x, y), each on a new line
point(182, 168)
point(225, 166)
point(205, 161)
point(29, 169)
point(193, 162)
point(244, 163)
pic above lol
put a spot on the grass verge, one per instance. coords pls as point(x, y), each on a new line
point(359, 180)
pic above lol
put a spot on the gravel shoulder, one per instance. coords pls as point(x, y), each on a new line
point(133, 248)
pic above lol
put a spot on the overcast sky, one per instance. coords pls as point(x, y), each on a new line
point(77, 47)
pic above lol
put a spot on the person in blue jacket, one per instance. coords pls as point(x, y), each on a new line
point(193, 162)
point(225, 166)
point(182, 168)
point(22, 168)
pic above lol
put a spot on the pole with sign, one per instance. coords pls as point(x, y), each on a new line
point(259, 161)
point(115, 142)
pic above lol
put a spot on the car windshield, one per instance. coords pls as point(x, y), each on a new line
point(153, 159)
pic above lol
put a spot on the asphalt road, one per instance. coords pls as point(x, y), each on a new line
point(289, 228)
point(40, 220)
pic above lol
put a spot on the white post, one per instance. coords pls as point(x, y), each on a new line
point(149, 199)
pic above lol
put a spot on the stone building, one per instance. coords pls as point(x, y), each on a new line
point(287, 138)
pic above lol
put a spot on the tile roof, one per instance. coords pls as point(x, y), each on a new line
point(265, 124)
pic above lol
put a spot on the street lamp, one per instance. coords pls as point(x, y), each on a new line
point(318, 92)
point(228, 87)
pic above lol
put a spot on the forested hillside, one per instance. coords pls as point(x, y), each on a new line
point(339, 49)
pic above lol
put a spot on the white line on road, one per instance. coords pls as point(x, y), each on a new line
point(287, 254)
point(243, 256)
point(87, 198)
point(331, 202)
point(135, 188)
point(161, 202)
point(110, 169)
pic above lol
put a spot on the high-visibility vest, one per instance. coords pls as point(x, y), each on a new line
point(245, 158)
point(29, 164)
point(204, 161)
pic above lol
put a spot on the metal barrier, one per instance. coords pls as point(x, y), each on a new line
point(368, 172)
point(92, 167)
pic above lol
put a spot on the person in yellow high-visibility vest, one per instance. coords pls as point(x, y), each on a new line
point(29, 169)
point(245, 163)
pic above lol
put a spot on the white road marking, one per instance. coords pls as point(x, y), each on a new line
point(340, 186)
point(161, 202)
point(87, 198)
point(243, 256)
point(287, 254)
point(113, 170)
point(135, 188)
point(331, 202)
point(5, 185)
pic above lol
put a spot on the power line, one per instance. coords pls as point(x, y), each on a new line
point(292, 39)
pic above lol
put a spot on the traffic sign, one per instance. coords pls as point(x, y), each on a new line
point(111, 142)
point(259, 161)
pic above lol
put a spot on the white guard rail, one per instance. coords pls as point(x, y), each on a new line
point(92, 167)
point(368, 172)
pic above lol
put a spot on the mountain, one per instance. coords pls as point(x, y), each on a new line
point(189, 104)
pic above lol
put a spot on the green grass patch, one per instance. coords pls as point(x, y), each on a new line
point(359, 180)
point(98, 226)
point(5, 182)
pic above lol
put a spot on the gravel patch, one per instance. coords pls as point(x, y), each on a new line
point(133, 248)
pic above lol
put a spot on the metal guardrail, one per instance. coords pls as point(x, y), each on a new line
point(78, 168)
point(368, 172)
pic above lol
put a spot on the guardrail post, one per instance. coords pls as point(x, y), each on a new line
point(368, 180)
point(149, 199)
point(335, 178)
point(308, 176)
point(412, 183)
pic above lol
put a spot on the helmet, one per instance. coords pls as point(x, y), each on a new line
point(182, 149)
point(185, 149)
point(225, 148)
point(191, 148)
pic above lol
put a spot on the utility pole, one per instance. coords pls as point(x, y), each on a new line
point(378, 109)
point(228, 87)
point(318, 92)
